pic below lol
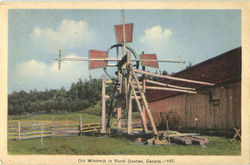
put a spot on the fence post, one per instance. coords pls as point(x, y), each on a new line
point(52, 126)
point(42, 136)
point(19, 130)
point(80, 125)
point(32, 122)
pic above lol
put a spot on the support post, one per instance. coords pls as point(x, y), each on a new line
point(103, 130)
point(129, 96)
point(119, 117)
point(130, 113)
point(144, 90)
point(119, 109)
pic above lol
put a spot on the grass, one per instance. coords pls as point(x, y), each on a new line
point(105, 145)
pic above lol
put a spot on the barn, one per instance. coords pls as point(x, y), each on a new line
point(212, 109)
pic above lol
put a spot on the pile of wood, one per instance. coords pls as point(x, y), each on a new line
point(183, 138)
point(168, 137)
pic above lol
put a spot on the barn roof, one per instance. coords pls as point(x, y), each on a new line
point(220, 69)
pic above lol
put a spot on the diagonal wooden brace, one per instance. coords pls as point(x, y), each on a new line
point(145, 103)
point(140, 110)
point(237, 134)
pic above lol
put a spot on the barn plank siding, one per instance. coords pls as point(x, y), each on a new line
point(216, 108)
point(221, 112)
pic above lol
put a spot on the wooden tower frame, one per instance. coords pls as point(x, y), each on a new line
point(127, 85)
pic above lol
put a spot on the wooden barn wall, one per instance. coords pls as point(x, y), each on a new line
point(220, 110)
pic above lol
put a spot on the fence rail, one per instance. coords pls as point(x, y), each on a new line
point(20, 130)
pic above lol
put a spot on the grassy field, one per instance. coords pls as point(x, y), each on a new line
point(105, 145)
point(91, 114)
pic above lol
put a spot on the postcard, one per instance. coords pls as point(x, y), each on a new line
point(124, 83)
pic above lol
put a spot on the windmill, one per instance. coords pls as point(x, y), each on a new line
point(127, 85)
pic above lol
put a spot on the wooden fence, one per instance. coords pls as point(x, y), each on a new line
point(20, 130)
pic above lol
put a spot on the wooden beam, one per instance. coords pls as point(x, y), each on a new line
point(130, 113)
point(108, 81)
point(144, 90)
point(135, 82)
point(119, 117)
point(107, 97)
point(170, 89)
point(135, 86)
point(133, 97)
point(129, 98)
point(173, 78)
point(168, 85)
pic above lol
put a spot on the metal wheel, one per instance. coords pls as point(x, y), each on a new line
point(117, 46)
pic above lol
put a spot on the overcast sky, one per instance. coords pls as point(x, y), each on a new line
point(35, 36)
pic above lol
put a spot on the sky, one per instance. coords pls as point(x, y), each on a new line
point(35, 37)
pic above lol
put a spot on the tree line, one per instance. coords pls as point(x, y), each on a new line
point(81, 95)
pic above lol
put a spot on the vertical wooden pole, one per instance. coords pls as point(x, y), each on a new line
point(168, 133)
point(129, 97)
point(119, 109)
point(144, 90)
point(124, 34)
point(80, 125)
point(119, 117)
point(19, 130)
point(130, 114)
point(103, 130)
point(126, 95)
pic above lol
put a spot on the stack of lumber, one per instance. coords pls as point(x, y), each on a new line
point(184, 138)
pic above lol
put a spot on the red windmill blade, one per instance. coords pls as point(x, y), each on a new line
point(149, 60)
point(98, 57)
point(128, 33)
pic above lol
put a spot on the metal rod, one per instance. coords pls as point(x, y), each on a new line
point(160, 60)
point(173, 78)
point(169, 85)
point(88, 59)
point(114, 59)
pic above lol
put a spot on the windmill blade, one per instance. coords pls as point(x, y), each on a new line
point(97, 54)
point(128, 33)
point(149, 60)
